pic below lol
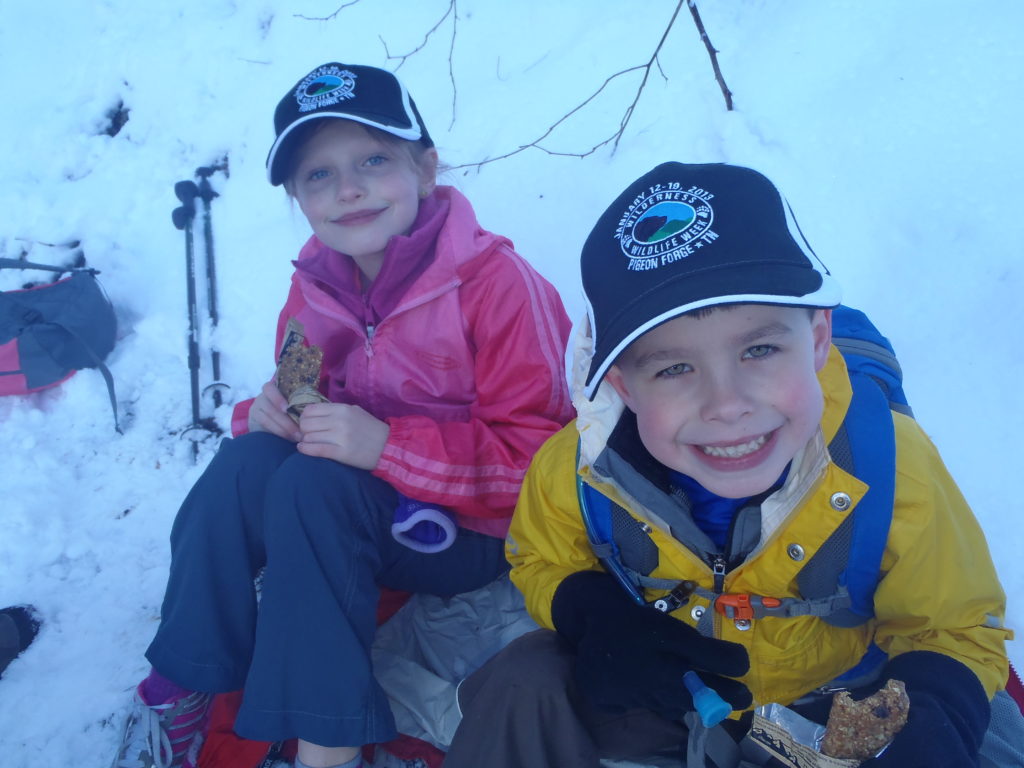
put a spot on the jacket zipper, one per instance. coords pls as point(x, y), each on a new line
point(718, 564)
point(368, 344)
point(370, 325)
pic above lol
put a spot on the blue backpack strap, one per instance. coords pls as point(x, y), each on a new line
point(867, 351)
point(872, 441)
point(596, 511)
point(877, 383)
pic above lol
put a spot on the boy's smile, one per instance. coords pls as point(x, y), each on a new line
point(727, 398)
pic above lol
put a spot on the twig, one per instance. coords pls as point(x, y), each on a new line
point(615, 137)
point(340, 8)
point(454, 11)
point(451, 69)
point(401, 58)
point(712, 52)
point(535, 144)
point(647, 72)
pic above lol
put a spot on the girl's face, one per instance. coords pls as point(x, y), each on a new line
point(358, 191)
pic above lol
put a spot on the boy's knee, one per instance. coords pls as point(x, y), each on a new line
point(534, 667)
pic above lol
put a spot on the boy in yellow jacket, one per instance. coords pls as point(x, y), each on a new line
point(708, 394)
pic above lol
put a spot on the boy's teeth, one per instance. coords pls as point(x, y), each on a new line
point(734, 451)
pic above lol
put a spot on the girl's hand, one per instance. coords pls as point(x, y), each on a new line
point(345, 433)
point(269, 414)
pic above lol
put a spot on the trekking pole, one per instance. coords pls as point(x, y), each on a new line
point(183, 216)
point(206, 194)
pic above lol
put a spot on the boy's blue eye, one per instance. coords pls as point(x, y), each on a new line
point(375, 160)
point(318, 174)
point(673, 370)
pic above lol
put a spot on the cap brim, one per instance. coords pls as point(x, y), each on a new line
point(279, 152)
point(669, 300)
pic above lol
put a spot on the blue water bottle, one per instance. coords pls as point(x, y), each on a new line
point(711, 707)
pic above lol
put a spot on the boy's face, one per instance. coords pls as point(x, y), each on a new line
point(729, 398)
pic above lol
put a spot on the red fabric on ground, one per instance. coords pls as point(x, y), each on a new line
point(1015, 688)
point(408, 748)
point(223, 748)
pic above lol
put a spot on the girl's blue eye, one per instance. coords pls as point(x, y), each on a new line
point(375, 160)
point(317, 174)
point(761, 350)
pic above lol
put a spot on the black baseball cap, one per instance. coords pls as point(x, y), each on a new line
point(365, 94)
point(683, 237)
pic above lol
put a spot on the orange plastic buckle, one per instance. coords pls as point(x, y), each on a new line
point(741, 606)
point(735, 606)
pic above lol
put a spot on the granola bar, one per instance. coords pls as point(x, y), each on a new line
point(859, 729)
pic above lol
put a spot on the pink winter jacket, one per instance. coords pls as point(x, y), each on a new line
point(467, 369)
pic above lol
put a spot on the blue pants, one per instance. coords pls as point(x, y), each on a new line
point(323, 531)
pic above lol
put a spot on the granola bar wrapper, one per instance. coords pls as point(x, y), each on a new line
point(791, 739)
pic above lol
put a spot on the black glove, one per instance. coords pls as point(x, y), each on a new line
point(632, 656)
point(949, 714)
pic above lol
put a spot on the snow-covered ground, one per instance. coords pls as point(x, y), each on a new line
point(893, 128)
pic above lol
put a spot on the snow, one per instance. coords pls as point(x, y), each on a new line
point(893, 129)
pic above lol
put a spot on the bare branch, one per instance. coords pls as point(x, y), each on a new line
point(401, 58)
point(712, 52)
point(454, 12)
point(535, 144)
point(615, 137)
point(647, 72)
point(451, 69)
point(340, 8)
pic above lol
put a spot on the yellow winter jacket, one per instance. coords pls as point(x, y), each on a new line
point(939, 590)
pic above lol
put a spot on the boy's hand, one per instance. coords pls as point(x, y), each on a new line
point(630, 656)
point(346, 433)
point(949, 713)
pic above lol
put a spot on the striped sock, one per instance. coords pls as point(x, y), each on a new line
point(157, 689)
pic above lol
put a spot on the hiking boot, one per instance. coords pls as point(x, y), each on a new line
point(18, 628)
point(164, 735)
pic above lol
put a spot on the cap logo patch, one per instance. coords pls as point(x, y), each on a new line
point(664, 224)
point(325, 87)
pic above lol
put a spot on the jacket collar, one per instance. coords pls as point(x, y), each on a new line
point(457, 247)
point(405, 259)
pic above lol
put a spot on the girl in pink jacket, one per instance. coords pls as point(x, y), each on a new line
point(441, 374)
